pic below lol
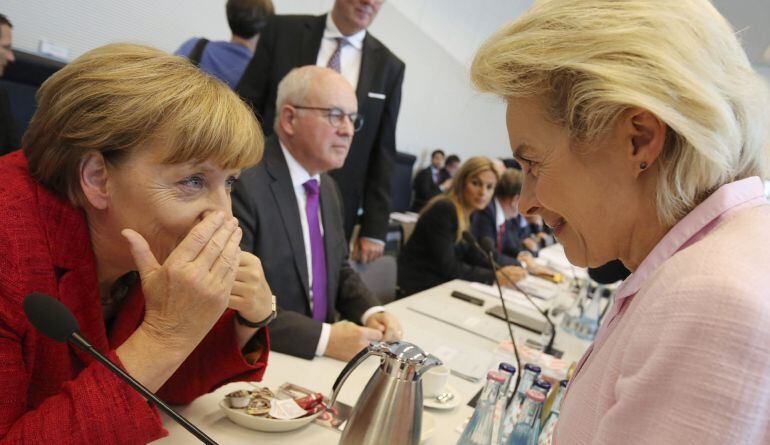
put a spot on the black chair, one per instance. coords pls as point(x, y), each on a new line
point(401, 182)
point(21, 80)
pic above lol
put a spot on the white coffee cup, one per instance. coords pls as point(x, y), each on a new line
point(434, 381)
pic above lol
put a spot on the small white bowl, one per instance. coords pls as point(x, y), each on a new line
point(240, 417)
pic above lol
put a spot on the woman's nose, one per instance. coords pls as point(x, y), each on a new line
point(528, 203)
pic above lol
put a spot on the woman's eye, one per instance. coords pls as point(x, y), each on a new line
point(194, 181)
point(230, 182)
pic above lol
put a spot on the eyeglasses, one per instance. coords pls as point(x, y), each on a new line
point(337, 117)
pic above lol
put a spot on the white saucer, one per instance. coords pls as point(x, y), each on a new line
point(431, 402)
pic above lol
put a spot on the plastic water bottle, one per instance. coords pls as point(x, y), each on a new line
point(479, 428)
point(543, 387)
point(509, 371)
point(525, 431)
point(528, 377)
point(546, 435)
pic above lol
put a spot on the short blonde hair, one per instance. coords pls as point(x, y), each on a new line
point(115, 98)
point(589, 60)
point(470, 168)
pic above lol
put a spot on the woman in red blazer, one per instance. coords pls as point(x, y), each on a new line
point(119, 206)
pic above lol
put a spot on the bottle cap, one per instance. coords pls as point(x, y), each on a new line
point(535, 395)
point(532, 367)
point(496, 376)
point(507, 367)
point(545, 384)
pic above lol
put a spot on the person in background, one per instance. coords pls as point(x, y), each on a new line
point(227, 60)
point(436, 252)
point(9, 140)
point(641, 129)
point(428, 181)
point(451, 166)
point(340, 40)
point(119, 207)
point(305, 257)
point(501, 222)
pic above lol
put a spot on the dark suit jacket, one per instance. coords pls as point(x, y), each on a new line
point(432, 257)
point(424, 188)
point(291, 41)
point(484, 224)
point(9, 140)
point(265, 203)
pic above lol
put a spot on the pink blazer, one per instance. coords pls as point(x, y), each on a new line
point(683, 357)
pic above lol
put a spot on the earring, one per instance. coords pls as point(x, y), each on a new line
point(643, 165)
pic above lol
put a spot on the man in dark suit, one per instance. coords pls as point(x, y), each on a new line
point(339, 40)
point(290, 211)
point(503, 224)
point(429, 182)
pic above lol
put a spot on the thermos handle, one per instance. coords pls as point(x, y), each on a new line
point(353, 363)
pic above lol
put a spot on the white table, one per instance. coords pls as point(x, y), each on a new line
point(319, 375)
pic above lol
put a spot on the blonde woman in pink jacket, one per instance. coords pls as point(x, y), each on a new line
point(641, 128)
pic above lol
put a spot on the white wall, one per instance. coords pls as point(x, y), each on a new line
point(435, 38)
point(80, 25)
point(438, 107)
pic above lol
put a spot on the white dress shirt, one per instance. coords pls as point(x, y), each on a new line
point(298, 177)
point(350, 54)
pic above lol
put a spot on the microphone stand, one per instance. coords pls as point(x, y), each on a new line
point(470, 239)
point(507, 321)
point(82, 343)
point(549, 347)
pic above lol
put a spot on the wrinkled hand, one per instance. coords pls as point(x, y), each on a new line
point(347, 339)
point(511, 274)
point(251, 295)
point(531, 243)
point(368, 250)
point(387, 324)
point(186, 294)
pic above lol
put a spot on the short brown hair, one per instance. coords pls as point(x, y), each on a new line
point(247, 17)
point(509, 184)
point(118, 97)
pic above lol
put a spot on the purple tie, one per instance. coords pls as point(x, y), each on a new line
point(334, 60)
point(317, 255)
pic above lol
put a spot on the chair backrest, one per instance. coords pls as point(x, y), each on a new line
point(380, 277)
point(21, 80)
point(401, 182)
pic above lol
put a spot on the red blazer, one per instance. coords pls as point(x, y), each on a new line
point(52, 392)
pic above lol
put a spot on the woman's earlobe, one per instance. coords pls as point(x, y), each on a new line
point(93, 180)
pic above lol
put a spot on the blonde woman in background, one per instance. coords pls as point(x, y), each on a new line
point(641, 128)
point(435, 252)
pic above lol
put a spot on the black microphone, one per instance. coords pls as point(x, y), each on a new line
point(470, 239)
point(51, 317)
point(487, 245)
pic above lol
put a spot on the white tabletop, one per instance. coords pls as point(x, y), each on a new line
point(320, 373)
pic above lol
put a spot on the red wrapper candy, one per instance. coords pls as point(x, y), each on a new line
point(309, 402)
